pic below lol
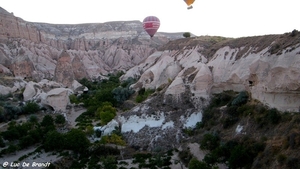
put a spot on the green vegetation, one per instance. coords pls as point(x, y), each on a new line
point(187, 34)
point(143, 94)
point(31, 107)
point(102, 99)
point(155, 161)
point(195, 164)
point(106, 113)
point(219, 117)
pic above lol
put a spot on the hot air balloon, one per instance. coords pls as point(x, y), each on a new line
point(189, 3)
point(151, 25)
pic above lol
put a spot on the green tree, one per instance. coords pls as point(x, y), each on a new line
point(60, 119)
point(195, 164)
point(106, 113)
point(210, 142)
point(48, 123)
point(241, 99)
point(31, 107)
point(76, 140)
point(2, 144)
point(89, 130)
point(33, 119)
point(186, 34)
point(121, 94)
point(26, 141)
point(109, 162)
point(54, 141)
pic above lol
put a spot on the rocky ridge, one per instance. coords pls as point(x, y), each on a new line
point(265, 66)
point(32, 50)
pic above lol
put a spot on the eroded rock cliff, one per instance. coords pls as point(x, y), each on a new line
point(94, 49)
point(268, 67)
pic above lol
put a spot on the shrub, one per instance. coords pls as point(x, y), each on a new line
point(143, 94)
point(185, 156)
point(109, 162)
point(74, 99)
point(106, 113)
point(113, 139)
point(294, 33)
point(195, 164)
point(187, 34)
point(240, 99)
point(210, 142)
point(31, 107)
point(273, 116)
point(121, 94)
point(293, 162)
point(2, 144)
point(54, 141)
point(76, 140)
point(281, 158)
point(60, 119)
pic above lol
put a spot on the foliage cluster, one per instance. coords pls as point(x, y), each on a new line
point(23, 135)
point(102, 99)
point(113, 139)
point(226, 109)
point(156, 161)
point(234, 153)
point(10, 110)
point(143, 94)
point(106, 113)
point(186, 34)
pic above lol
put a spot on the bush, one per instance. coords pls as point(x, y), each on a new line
point(76, 141)
point(106, 113)
point(31, 107)
point(241, 99)
point(210, 142)
point(281, 158)
point(121, 94)
point(273, 116)
point(74, 99)
point(187, 34)
point(143, 94)
point(54, 141)
point(294, 33)
point(185, 156)
point(60, 119)
point(2, 144)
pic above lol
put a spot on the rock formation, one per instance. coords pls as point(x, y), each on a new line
point(268, 67)
point(94, 49)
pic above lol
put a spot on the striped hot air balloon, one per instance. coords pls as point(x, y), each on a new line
point(151, 25)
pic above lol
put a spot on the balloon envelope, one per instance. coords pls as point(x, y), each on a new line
point(189, 2)
point(151, 25)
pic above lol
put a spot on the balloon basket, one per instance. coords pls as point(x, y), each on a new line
point(190, 7)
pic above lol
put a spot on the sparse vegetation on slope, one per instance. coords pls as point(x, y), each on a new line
point(266, 137)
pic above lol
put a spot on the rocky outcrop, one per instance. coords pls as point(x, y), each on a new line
point(64, 71)
point(268, 67)
point(95, 49)
point(50, 93)
point(57, 98)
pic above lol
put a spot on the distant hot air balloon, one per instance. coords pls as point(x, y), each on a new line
point(189, 3)
point(151, 25)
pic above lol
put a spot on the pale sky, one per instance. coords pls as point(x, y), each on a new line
point(228, 18)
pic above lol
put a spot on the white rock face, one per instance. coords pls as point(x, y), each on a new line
point(57, 98)
point(29, 91)
point(273, 79)
point(48, 93)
